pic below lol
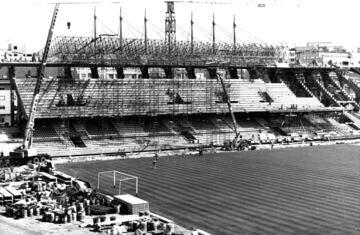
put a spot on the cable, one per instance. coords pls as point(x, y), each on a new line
point(156, 29)
point(133, 28)
point(106, 26)
point(228, 34)
point(251, 35)
point(183, 32)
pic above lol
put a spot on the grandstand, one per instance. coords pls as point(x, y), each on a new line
point(113, 116)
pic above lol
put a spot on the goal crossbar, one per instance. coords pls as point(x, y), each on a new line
point(114, 173)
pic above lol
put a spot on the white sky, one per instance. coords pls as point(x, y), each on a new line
point(280, 21)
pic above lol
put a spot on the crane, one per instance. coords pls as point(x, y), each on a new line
point(228, 102)
point(26, 151)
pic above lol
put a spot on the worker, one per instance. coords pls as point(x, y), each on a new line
point(154, 163)
point(201, 151)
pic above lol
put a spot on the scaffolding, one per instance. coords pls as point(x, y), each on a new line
point(80, 50)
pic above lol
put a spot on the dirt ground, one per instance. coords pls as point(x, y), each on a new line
point(33, 226)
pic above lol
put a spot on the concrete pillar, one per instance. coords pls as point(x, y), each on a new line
point(94, 72)
point(144, 72)
point(212, 73)
point(168, 72)
point(67, 72)
point(120, 72)
point(233, 73)
point(191, 73)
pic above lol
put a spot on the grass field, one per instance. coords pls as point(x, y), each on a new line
point(314, 190)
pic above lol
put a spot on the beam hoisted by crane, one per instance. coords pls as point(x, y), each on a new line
point(26, 150)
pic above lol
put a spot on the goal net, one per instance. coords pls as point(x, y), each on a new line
point(117, 183)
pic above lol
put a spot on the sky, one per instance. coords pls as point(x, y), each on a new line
point(291, 22)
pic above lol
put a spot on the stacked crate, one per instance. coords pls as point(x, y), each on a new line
point(132, 204)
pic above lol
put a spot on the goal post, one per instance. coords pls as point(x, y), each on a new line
point(115, 179)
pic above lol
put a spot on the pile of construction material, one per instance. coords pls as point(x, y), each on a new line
point(45, 199)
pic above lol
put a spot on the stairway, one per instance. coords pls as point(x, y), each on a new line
point(80, 129)
point(264, 124)
point(353, 118)
point(351, 84)
point(63, 133)
point(344, 94)
point(327, 93)
point(300, 78)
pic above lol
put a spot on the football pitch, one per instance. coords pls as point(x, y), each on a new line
point(313, 190)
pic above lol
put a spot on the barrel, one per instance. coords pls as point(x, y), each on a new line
point(16, 214)
point(156, 225)
point(68, 211)
point(35, 211)
point(42, 211)
point(39, 211)
point(87, 210)
point(150, 226)
point(45, 217)
point(96, 220)
point(86, 202)
point(117, 209)
point(169, 227)
point(114, 231)
point(73, 216)
point(93, 201)
point(56, 218)
point(82, 216)
point(135, 225)
point(69, 218)
point(23, 213)
point(102, 218)
point(80, 206)
point(9, 212)
point(30, 212)
point(143, 226)
point(107, 202)
point(63, 218)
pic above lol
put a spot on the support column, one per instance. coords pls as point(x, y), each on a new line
point(11, 75)
point(94, 72)
point(67, 72)
point(273, 76)
point(144, 72)
point(254, 74)
point(11, 72)
point(120, 72)
point(191, 73)
point(212, 73)
point(169, 73)
point(233, 73)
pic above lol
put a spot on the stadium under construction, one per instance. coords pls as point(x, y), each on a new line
point(108, 95)
point(243, 95)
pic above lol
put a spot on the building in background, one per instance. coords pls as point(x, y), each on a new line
point(6, 106)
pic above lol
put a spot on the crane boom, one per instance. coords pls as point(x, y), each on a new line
point(35, 100)
point(227, 98)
